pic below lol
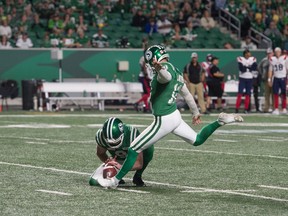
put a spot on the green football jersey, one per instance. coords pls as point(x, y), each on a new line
point(130, 133)
point(163, 96)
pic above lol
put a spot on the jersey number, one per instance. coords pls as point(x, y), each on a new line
point(278, 67)
point(121, 154)
point(177, 87)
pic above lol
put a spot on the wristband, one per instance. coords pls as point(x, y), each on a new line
point(269, 79)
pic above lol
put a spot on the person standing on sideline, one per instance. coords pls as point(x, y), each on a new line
point(194, 76)
point(263, 69)
point(144, 78)
point(277, 79)
point(206, 65)
point(215, 85)
point(247, 64)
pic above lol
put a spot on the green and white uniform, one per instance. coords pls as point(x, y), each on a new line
point(166, 84)
point(130, 134)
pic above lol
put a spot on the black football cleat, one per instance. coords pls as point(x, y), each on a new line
point(121, 182)
point(138, 181)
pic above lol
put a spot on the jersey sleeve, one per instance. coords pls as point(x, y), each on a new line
point(99, 139)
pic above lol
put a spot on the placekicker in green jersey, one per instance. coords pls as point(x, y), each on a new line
point(163, 96)
point(130, 133)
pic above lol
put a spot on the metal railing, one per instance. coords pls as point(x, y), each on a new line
point(259, 38)
point(233, 23)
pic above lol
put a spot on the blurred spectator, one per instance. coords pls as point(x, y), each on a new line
point(194, 76)
point(44, 9)
point(23, 23)
point(5, 29)
point(186, 8)
point(232, 8)
point(285, 33)
point(37, 27)
point(55, 38)
point(215, 86)
point(82, 40)
point(151, 27)
point(139, 20)
point(164, 25)
point(197, 8)
point(176, 33)
point(46, 43)
point(274, 34)
point(69, 22)
point(195, 20)
point(248, 44)
point(121, 7)
point(181, 20)
point(135, 6)
point(263, 68)
point(153, 15)
point(258, 24)
point(207, 21)
point(5, 44)
point(188, 32)
point(100, 19)
point(24, 42)
point(228, 45)
point(81, 24)
point(100, 40)
point(69, 39)
point(55, 23)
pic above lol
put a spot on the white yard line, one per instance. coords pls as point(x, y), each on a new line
point(241, 194)
point(212, 190)
point(224, 140)
point(153, 182)
point(54, 192)
point(36, 143)
point(132, 190)
point(272, 140)
point(225, 153)
point(273, 187)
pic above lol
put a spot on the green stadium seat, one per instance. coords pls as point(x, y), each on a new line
point(180, 44)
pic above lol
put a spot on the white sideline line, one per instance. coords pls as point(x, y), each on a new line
point(223, 140)
point(242, 194)
point(273, 187)
point(271, 140)
point(211, 190)
point(55, 192)
point(151, 182)
point(225, 153)
point(36, 143)
point(132, 190)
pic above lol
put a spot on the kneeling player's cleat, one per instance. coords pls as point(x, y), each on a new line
point(225, 118)
point(122, 182)
point(284, 111)
point(276, 112)
point(138, 181)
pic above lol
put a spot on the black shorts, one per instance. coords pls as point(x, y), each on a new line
point(215, 89)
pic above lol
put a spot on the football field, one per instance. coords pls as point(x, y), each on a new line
point(46, 160)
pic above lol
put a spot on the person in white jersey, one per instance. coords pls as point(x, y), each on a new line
point(277, 79)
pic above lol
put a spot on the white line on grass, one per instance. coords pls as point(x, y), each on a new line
point(273, 187)
point(225, 153)
point(271, 140)
point(212, 190)
point(224, 140)
point(36, 143)
point(55, 192)
point(132, 190)
point(242, 194)
point(151, 182)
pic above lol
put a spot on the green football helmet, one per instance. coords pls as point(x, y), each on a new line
point(157, 52)
point(113, 132)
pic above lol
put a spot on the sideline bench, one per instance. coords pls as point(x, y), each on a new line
point(97, 92)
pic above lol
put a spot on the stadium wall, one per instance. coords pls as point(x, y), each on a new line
point(37, 63)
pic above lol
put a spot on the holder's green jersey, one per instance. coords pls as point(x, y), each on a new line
point(163, 96)
point(130, 133)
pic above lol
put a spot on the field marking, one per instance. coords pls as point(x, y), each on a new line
point(212, 190)
point(36, 143)
point(242, 194)
point(153, 182)
point(225, 153)
point(271, 140)
point(36, 126)
point(273, 187)
point(54, 192)
point(133, 191)
point(224, 140)
point(179, 141)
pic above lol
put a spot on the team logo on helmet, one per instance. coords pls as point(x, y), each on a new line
point(148, 55)
point(120, 126)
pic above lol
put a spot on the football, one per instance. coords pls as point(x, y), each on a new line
point(109, 171)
